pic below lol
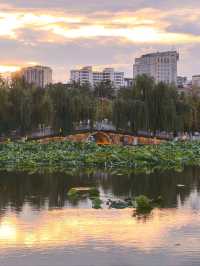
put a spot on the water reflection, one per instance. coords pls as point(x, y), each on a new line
point(50, 191)
point(39, 226)
point(76, 228)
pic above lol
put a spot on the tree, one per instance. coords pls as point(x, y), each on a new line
point(20, 105)
point(104, 89)
point(5, 115)
point(62, 109)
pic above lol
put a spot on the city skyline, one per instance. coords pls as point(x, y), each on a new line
point(66, 34)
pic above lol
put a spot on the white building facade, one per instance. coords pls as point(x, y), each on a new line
point(162, 66)
point(41, 76)
point(87, 75)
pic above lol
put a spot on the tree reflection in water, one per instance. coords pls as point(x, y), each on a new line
point(50, 191)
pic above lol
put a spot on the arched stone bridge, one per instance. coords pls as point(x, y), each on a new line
point(107, 138)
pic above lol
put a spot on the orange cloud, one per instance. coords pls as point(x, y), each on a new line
point(143, 26)
point(6, 68)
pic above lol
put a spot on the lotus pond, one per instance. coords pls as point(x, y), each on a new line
point(65, 156)
point(43, 223)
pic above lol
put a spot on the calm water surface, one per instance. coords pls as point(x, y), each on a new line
point(39, 226)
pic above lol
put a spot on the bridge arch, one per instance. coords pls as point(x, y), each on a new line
point(101, 138)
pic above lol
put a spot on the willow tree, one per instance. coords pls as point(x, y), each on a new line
point(62, 108)
point(143, 91)
point(103, 109)
point(120, 117)
point(83, 102)
point(21, 105)
point(137, 115)
point(163, 107)
point(104, 89)
point(5, 115)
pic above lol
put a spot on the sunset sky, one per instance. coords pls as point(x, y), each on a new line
point(65, 34)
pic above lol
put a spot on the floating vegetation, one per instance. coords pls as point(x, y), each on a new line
point(73, 194)
point(143, 204)
point(93, 193)
point(79, 192)
point(64, 156)
point(118, 204)
point(96, 203)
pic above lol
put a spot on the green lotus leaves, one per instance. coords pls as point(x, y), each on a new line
point(64, 156)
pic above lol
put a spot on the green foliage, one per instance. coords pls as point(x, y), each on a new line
point(24, 107)
point(155, 107)
point(61, 156)
point(143, 204)
point(94, 192)
point(73, 194)
point(96, 203)
point(104, 89)
point(103, 109)
point(147, 106)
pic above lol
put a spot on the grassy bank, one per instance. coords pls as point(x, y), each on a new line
point(61, 156)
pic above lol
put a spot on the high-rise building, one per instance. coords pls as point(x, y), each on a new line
point(109, 74)
point(87, 75)
point(119, 79)
point(196, 81)
point(162, 66)
point(41, 76)
point(97, 77)
point(83, 75)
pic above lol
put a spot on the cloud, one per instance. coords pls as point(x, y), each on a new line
point(65, 33)
point(94, 5)
point(141, 26)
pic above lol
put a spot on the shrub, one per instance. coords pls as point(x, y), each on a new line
point(143, 204)
point(96, 203)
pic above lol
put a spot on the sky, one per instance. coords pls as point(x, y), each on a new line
point(67, 34)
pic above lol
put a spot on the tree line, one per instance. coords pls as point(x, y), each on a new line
point(145, 106)
point(156, 107)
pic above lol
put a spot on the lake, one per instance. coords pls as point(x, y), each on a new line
point(39, 226)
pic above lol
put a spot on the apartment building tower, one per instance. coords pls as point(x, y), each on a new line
point(87, 75)
point(41, 76)
point(162, 66)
